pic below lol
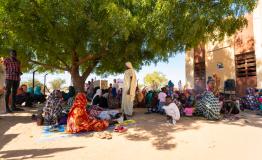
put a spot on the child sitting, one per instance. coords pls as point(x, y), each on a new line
point(171, 110)
point(162, 100)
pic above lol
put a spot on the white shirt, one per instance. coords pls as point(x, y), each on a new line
point(172, 110)
point(115, 85)
point(162, 97)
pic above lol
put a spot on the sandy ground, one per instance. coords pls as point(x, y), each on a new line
point(151, 138)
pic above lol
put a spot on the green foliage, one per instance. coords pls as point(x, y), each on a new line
point(155, 79)
point(112, 32)
point(57, 83)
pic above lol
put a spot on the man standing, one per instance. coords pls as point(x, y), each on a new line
point(12, 80)
point(129, 90)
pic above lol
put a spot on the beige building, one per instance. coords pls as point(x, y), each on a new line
point(238, 57)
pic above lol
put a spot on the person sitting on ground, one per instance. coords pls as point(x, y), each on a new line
point(38, 95)
point(79, 119)
point(162, 100)
point(190, 103)
point(208, 105)
point(112, 100)
point(23, 97)
point(250, 100)
point(99, 100)
point(71, 93)
point(140, 98)
point(171, 110)
point(53, 109)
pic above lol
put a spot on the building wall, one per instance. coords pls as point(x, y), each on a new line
point(190, 69)
point(257, 19)
point(248, 39)
point(221, 53)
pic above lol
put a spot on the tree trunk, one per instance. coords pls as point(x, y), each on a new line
point(78, 83)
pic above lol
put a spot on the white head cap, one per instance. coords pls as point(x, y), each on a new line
point(129, 65)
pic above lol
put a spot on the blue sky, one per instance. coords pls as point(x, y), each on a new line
point(174, 70)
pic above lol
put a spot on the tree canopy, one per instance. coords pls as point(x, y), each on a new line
point(84, 36)
point(155, 79)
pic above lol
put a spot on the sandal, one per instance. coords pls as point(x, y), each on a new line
point(100, 135)
point(120, 129)
point(108, 135)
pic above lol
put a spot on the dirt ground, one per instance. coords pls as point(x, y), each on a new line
point(151, 138)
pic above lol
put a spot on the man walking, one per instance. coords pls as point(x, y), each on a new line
point(12, 80)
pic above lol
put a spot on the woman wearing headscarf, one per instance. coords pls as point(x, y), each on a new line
point(99, 100)
point(38, 95)
point(71, 93)
point(79, 119)
point(129, 90)
point(209, 105)
point(53, 109)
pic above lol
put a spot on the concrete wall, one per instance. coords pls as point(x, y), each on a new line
point(190, 69)
point(257, 19)
point(221, 53)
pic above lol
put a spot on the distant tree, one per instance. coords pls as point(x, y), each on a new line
point(155, 79)
point(85, 36)
point(57, 83)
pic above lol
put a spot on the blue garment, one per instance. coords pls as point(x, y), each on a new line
point(114, 92)
point(160, 107)
point(170, 84)
point(30, 90)
point(37, 91)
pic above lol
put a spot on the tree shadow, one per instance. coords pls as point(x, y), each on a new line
point(246, 118)
point(9, 120)
point(34, 153)
point(154, 128)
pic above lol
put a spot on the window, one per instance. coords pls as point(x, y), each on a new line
point(246, 65)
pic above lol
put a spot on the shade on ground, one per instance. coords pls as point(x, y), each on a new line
point(149, 139)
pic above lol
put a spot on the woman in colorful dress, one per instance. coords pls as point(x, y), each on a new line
point(209, 106)
point(53, 109)
point(79, 120)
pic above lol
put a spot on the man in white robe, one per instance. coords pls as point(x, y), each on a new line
point(129, 90)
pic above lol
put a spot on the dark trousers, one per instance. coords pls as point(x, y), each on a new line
point(11, 87)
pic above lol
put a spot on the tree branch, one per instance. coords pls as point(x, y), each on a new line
point(86, 58)
point(49, 66)
point(61, 60)
point(89, 69)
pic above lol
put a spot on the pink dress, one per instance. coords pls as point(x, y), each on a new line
point(189, 111)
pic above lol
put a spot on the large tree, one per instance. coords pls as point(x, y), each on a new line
point(155, 79)
point(84, 36)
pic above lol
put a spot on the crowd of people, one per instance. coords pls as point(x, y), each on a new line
point(96, 108)
point(210, 103)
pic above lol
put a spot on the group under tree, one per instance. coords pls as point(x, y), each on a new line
point(85, 36)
